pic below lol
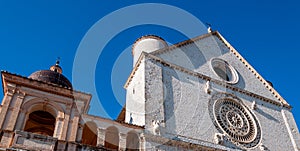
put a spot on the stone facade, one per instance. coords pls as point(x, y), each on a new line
point(181, 88)
point(200, 94)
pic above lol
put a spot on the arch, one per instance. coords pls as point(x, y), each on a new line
point(39, 103)
point(132, 141)
point(40, 122)
point(36, 106)
point(112, 138)
point(89, 134)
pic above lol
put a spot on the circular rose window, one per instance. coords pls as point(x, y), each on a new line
point(224, 71)
point(234, 120)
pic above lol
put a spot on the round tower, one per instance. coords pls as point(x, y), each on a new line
point(148, 43)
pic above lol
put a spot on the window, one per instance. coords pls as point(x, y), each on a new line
point(224, 71)
point(40, 122)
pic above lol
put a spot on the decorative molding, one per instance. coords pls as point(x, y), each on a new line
point(263, 147)
point(207, 87)
point(253, 105)
point(156, 127)
point(219, 138)
point(10, 92)
point(123, 136)
point(253, 71)
point(232, 118)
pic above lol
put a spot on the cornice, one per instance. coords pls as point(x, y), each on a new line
point(121, 123)
point(39, 85)
point(253, 71)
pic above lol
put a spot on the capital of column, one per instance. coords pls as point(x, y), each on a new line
point(101, 136)
point(101, 131)
point(10, 92)
point(142, 137)
point(122, 135)
point(21, 95)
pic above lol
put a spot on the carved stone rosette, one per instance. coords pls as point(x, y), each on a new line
point(235, 120)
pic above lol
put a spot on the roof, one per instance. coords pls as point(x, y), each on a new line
point(53, 77)
point(50, 87)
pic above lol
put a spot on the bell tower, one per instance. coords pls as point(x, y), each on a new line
point(43, 105)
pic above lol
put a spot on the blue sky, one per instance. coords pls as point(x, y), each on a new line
point(34, 33)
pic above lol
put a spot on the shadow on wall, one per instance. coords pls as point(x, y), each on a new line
point(266, 115)
point(167, 76)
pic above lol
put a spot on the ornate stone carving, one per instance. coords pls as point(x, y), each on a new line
point(156, 127)
point(253, 105)
point(219, 138)
point(263, 147)
point(235, 121)
point(207, 88)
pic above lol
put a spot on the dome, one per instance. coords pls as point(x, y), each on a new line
point(53, 76)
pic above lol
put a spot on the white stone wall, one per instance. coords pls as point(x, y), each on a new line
point(185, 107)
point(197, 56)
point(135, 98)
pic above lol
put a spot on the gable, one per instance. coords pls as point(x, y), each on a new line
point(198, 55)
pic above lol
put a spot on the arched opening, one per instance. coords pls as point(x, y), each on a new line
point(40, 122)
point(112, 138)
point(132, 142)
point(89, 134)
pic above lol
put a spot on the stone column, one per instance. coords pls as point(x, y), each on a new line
point(65, 127)
point(122, 141)
point(100, 137)
point(21, 120)
point(59, 125)
point(79, 133)
point(142, 142)
point(73, 128)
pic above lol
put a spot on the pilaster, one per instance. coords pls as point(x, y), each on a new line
point(59, 125)
point(73, 129)
point(79, 133)
point(142, 142)
point(6, 139)
point(64, 128)
point(5, 105)
point(21, 120)
point(14, 111)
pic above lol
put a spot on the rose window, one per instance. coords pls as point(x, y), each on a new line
point(236, 122)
